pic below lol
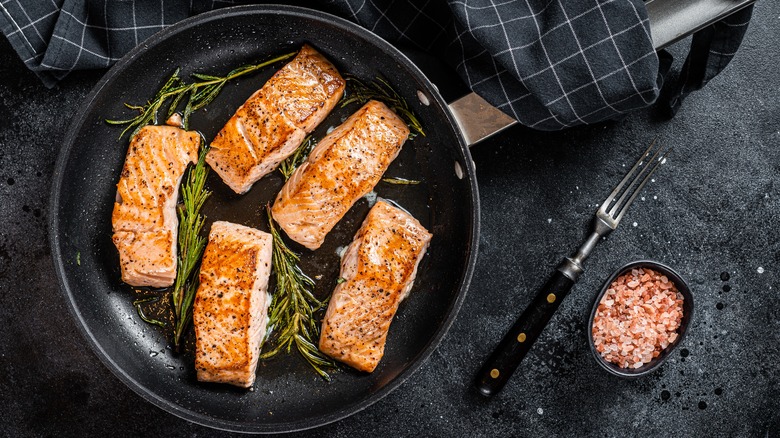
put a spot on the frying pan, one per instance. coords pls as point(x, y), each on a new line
point(288, 395)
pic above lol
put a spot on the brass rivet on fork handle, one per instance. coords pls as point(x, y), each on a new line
point(507, 356)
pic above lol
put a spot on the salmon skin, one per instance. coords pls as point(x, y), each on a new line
point(273, 122)
point(378, 269)
point(231, 304)
point(144, 220)
point(342, 168)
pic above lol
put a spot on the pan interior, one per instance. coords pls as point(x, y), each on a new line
point(287, 395)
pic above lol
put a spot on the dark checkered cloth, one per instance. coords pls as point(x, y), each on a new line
point(550, 64)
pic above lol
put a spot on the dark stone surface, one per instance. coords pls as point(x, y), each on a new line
point(712, 210)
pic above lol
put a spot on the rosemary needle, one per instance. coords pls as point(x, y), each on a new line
point(137, 304)
point(400, 181)
point(191, 244)
point(291, 315)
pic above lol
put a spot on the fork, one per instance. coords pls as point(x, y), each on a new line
point(505, 359)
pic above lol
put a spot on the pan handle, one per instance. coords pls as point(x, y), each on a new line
point(477, 119)
point(670, 21)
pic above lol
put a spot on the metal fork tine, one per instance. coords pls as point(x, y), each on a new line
point(628, 176)
point(642, 184)
point(634, 180)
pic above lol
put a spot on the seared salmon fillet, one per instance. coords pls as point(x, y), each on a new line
point(144, 219)
point(231, 304)
point(273, 122)
point(379, 268)
point(343, 167)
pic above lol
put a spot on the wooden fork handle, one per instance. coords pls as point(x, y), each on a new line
point(518, 341)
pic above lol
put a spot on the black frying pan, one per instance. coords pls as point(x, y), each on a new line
point(288, 395)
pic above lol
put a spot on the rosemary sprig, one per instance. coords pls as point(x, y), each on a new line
point(148, 112)
point(381, 90)
point(289, 165)
point(201, 93)
point(291, 316)
point(191, 244)
point(400, 181)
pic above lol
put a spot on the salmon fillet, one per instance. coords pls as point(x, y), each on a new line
point(379, 268)
point(343, 167)
point(144, 220)
point(231, 304)
point(273, 122)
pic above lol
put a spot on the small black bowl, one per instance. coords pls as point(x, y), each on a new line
point(682, 287)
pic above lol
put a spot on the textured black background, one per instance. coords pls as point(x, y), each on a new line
point(712, 209)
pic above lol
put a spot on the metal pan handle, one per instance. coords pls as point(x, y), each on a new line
point(670, 21)
point(477, 119)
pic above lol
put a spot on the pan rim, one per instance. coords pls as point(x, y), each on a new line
point(148, 394)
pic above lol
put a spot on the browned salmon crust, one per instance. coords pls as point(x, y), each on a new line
point(379, 268)
point(231, 304)
point(144, 220)
point(273, 122)
point(343, 167)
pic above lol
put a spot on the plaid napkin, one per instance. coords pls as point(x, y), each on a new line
point(550, 64)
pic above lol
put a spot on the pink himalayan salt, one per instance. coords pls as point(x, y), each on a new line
point(637, 318)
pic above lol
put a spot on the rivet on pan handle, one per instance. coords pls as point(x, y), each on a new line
point(477, 119)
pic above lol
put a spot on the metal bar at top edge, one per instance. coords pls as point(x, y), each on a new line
point(673, 20)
